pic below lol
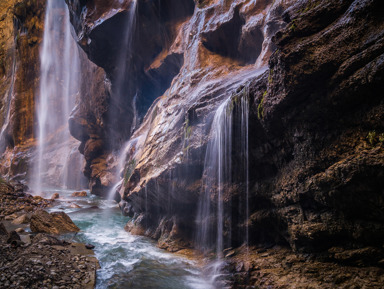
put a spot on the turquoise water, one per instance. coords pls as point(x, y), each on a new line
point(126, 261)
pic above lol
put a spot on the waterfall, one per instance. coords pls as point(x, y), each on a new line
point(217, 169)
point(226, 157)
point(59, 85)
point(245, 149)
point(126, 48)
point(122, 168)
point(120, 90)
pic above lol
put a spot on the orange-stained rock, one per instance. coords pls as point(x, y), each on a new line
point(79, 194)
point(55, 196)
point(52, 223)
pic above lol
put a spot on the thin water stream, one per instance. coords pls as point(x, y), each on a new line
point(126, 261)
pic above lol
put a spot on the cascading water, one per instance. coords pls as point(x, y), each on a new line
point(244, 150)
point(59, 84)
point(217, 169)
point(217, 172)
point(121, 92)
point(124, 61)
point(126, 49)
point(213, 220)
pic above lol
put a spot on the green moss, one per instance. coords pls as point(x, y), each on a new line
point(187, 129)
point(381, 138)
point(154, 114)
point(372, 137)
point(201, 3)
point(260, 107)
point(270, 76)
point(293, 26)
point(129, 168)
point(187, 135)
point(310, 5)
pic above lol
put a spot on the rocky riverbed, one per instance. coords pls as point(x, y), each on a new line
point(31, 259)
point(279, 267)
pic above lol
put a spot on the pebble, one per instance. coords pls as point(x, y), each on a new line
point(36, 266)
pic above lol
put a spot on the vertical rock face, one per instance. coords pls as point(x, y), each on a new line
point(317, 150)
point(202, 53)
point(315, 126)
point(22, 27)
point(312, 72)
point(21, 35)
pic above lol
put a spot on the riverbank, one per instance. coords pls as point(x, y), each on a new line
point(279, 267)
point(38, 260)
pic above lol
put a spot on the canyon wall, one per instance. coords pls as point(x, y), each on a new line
point(312, 71)
point(22, 24)
point(22, 28)
point(308, 176)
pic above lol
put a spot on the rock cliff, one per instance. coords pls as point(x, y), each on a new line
point(286, 94)
point(315, 119)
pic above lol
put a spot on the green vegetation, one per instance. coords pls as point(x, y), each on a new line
point(260, 107)
point(373, 138)
point(187, 135)
point(129, 168)
point(270, 76)
point(311, 4)
point(187, 129)
point(154, 114)
point(381, 138)
point(201, 3)
point(293, 26)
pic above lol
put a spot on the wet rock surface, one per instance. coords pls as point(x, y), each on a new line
point(315, 141)
point(79, 194)
point(316, 126)
point(316, 150)
point(22, 26)
point(46, 262)
point(278, 267)
point(29, 260)
point(317, 162)
point(12, 201)
point(52, 223)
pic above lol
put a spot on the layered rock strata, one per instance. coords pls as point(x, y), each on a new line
point(315, 125)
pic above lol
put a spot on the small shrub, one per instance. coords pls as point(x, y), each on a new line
point(371, 137)
point(260, 107)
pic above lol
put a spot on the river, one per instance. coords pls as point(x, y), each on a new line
point(126, 261)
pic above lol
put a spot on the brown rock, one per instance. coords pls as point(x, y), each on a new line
point(20, 231)
point(79, 194)
point(3, 230)
point(55, 196)
point(54, 223)
point(23, 219)
point(11, 217)
point(13, 236)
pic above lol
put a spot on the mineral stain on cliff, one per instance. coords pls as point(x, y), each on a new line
point(250, 130)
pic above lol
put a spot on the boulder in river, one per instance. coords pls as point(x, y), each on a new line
point(55, 196)
point(53, 223)
point(79, 194)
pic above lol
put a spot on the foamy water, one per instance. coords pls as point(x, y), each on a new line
point(126, 261)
